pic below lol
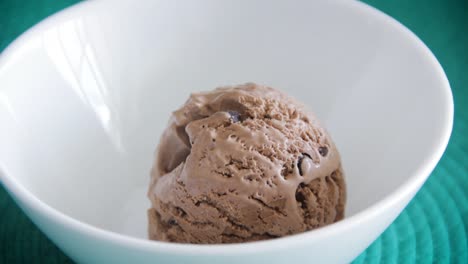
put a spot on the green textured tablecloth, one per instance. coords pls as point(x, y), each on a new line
point(434, 226)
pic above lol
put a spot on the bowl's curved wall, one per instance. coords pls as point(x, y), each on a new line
point(84, 96)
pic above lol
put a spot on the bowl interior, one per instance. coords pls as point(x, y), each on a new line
point(84, 98)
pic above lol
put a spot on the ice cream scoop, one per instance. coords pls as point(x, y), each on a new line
point(243, 163)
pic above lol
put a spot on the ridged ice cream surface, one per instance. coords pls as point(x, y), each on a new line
point(243, 163)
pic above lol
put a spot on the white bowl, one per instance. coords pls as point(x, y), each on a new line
point(85, 94)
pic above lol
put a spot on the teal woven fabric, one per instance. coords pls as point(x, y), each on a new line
point(434, 226)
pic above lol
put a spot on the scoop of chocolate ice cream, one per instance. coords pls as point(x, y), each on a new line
point(243, 163)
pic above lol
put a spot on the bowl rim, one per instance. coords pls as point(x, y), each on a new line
point(412, 184)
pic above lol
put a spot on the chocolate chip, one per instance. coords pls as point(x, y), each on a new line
point(299, 162)
point(300, 197)
point(235, 116)
point(323, 151)
point(172, 222)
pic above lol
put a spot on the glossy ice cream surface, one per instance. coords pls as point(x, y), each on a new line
point(243, 163)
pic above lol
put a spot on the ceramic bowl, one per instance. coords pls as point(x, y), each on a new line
point(85, 94)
